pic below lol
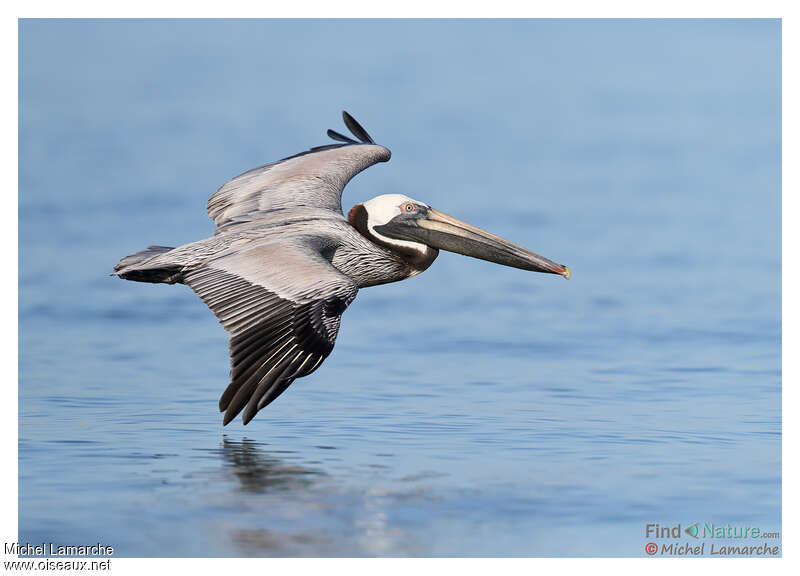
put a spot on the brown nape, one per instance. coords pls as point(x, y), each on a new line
point(358, 218)
point(417, 260)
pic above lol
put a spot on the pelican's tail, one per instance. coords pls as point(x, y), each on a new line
point(148, 266)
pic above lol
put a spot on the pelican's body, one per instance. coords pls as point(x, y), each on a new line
point(284, 262)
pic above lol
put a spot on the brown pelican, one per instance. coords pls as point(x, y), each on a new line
point(284, 263)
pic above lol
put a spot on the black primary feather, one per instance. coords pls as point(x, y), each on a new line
point(356, 128)
point(340, 137)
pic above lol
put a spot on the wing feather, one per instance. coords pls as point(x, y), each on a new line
point(282, 304)
point(356, 128)
point(334, 135)
point(315, 179)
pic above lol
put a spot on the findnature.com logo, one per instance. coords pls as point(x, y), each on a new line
point(747, 540)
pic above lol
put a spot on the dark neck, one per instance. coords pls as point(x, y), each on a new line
point(415, 259)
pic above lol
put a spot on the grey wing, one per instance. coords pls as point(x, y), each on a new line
point(312, 179)
point(282, 304)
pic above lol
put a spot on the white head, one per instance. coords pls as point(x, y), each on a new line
point(387, 208)
point(382, 209)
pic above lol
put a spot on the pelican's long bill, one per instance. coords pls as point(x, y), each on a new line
point(439, 230)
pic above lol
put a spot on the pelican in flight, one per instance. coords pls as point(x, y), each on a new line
point(284, 262)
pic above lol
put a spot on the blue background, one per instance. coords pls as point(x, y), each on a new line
point(473, 410)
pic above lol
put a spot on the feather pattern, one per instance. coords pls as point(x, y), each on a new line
point(282, 304)
point(314, 178)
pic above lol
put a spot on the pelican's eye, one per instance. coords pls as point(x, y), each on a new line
point(408, 207)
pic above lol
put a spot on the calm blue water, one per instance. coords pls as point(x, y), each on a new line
point(473, 410)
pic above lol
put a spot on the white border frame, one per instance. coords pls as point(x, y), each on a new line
point(11, 11)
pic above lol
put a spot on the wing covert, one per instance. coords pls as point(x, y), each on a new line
point(315, 178)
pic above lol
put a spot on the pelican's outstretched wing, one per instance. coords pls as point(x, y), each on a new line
point(282, 304)
point(314, 178)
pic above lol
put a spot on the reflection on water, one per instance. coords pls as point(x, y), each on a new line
point(263, 542)
point(471, 410)
point(288, 509)
point(258, 471)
